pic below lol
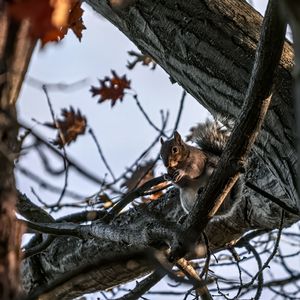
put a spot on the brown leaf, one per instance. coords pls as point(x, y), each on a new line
point(39, 13)
point(50, 19)
point(75, 21)
point(111, 88)
point(72, 125)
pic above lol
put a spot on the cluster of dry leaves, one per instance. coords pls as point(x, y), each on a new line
point(49, 20)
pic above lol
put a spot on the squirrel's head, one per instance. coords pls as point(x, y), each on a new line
point(173, 151)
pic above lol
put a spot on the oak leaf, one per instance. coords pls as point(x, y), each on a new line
point(39, 13)
point(111, 88)
point(69, 127)
point(49, 19)
point(75, 21)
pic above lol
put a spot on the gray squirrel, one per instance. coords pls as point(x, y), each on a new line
point(189, 167)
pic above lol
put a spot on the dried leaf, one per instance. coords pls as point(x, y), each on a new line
point(75, 20)
point(111, 88)
point(61, 12)
point(72, 125)
point(50, 19)
point(39, 14)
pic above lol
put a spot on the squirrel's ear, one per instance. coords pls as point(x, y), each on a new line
point(161, 140)
point(177, 137)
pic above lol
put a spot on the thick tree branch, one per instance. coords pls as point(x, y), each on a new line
point(208, 47)
point(252, 115)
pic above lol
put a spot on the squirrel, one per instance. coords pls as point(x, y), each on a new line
point(189, 167)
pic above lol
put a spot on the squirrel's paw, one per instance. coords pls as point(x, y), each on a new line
point(178, 174)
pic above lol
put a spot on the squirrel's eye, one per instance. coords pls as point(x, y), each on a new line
point(174, 150)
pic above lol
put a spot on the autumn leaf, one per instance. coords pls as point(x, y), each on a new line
point(49, 19)
point(111, 88)
point(39, 13)
point(72, 125)
point(75, 21)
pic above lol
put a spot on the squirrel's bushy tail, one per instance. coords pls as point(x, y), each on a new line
point(210, 136)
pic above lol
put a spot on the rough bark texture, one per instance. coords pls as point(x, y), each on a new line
point(15, 53)
point(292, 9)
point(208, 47)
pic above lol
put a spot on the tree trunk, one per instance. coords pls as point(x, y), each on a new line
point(15, 53)
point(207, 47)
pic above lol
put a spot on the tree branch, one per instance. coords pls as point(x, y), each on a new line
point(257, 101)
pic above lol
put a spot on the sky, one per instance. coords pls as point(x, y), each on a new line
point(122, 131)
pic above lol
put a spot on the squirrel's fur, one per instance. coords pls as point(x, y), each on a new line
point(211, 136)
point(189, 167)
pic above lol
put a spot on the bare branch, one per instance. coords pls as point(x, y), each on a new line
point(101, 154)
point(143, 286)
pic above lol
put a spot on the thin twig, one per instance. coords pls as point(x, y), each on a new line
point(91, 132)
point(135, 97)
point(143, 286)
point(145, 152)
point(260, 277)
point(130, 196)
point(274, 199)
point(62, 137)
point(71, 161)
point(179, 111)
point(266, 264)
point(50, 187)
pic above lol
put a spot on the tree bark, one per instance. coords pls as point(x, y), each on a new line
point(15, 53)
point(208, 47)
